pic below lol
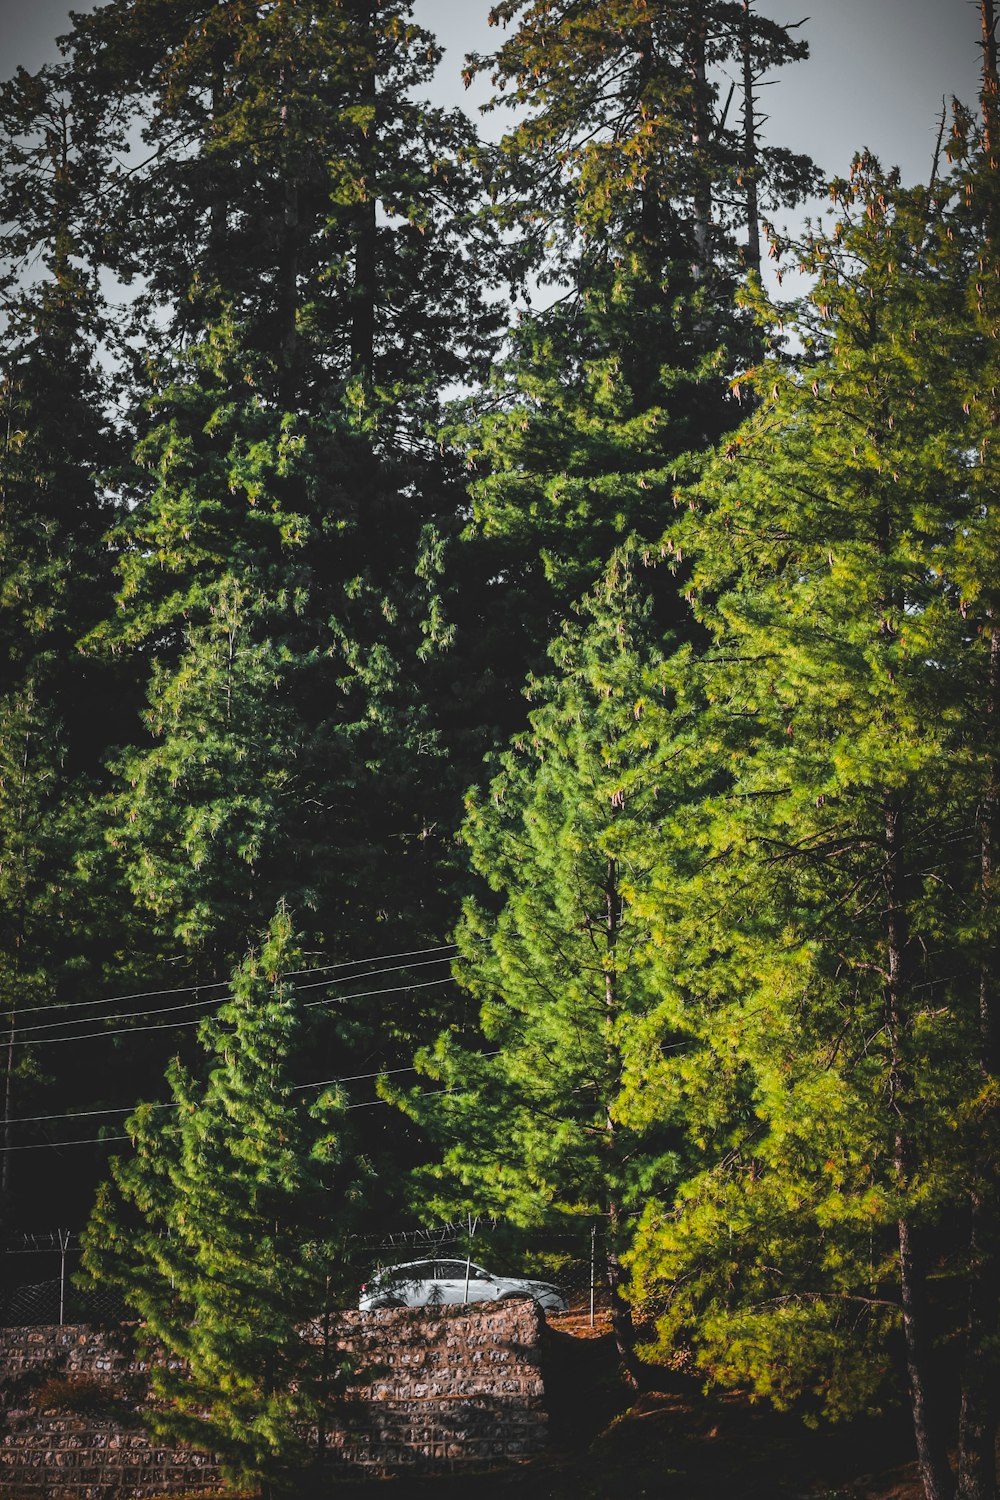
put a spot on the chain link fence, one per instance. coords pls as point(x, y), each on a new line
point(572, 1259)
point(37, 1276)
point(37, 1286)
point(44, 1302)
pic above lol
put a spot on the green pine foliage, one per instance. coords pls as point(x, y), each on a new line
point(276, 711)
point(224, 1228)
point(282, 535)
point(619, 175)
point(823, 947)
point(312, 280)
point(553, 1104)
point(55, 576)
point(293, 176)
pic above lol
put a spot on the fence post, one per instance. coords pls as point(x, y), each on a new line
point(593, 1264)
point(64, 1239)
point(468, 1259)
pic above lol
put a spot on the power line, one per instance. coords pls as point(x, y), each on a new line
point(108, 1139)
point(223, 999)
point(55, 1145)
point(321, 1083)
point(383, 990)
point(215, 984)
point(45, 1041)
point(86, 1114)
point(380, 1073)
point(129, 1109)
point(127, 1016)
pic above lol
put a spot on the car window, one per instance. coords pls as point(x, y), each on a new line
point(421, 1270)
point(454, 1270)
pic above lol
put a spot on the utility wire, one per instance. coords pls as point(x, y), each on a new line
point(216, 984)
point(101, 1140)
point(44, 1041)
point(223, 999)
point(321, 1083)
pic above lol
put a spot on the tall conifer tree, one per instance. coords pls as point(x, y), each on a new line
point(825, 951)
point(554, 1120)
point(225, 1231)
point(55, 573)
point(310, 282)
point(620, 174)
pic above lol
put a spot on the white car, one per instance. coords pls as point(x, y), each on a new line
point(429, 1283)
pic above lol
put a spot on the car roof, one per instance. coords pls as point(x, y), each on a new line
point(408, 1265)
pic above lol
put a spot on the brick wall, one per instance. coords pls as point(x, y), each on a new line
point(443, 1389)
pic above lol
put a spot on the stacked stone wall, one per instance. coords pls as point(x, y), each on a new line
point(435, 1390)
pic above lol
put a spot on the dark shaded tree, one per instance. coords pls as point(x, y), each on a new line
point(55, 572)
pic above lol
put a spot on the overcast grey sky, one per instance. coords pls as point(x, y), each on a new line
point(876, 76)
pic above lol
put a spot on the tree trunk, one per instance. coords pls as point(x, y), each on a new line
point(991, 86)
point(8, 1099)
point(978, 1417)
point(365, 225)
point(928, 1427)
point(288, 294)
point(980, 1411)
point(19, 935)
point(288, 262)
point(980, 1408)
point(621, 1313)
point(752, 254)
point(700, 135)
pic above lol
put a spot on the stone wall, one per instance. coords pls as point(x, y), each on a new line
point(452, 1388)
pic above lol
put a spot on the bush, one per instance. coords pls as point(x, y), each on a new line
point(79, 1393)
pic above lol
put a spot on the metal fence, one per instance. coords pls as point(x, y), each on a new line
point(37, 1282)
point(56, 1301)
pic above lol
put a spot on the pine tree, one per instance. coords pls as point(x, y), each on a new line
point(225, 1227)
point(820, 949)
point(296, 182)
point(304, 238)
point(974, 568)
point(55, 573)
point(620, 174)
point(549, 1116)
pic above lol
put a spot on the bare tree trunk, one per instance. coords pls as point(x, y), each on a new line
point(928, 1427)
point(752, 254)
point(621, 1313)
point(365, 224)
point(701, 128)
